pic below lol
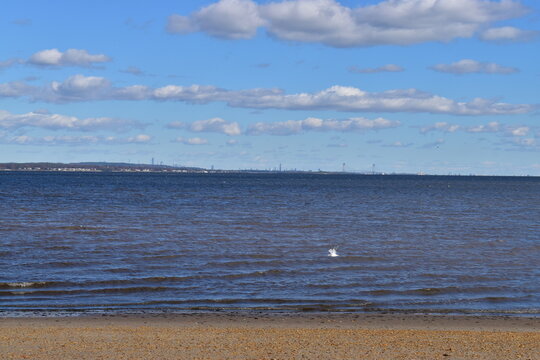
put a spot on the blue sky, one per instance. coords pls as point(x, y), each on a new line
point(432, 86)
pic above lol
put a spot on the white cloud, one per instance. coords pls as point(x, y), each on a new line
point(192, 141)
point(15, 89)
point(74, 140)
point(177, 125)
point(489, 128)
point(520, 131)
point(440, 126)
point(399, 144)
point(507, 34)
point(139, 139)
point(44, 120)
point(71, 57)
point(198, 94)
point(468, 66)
point(292, 127)
point(76, 88)
point(338, 98)
point(230, 19)
point(517, 132)
point(343, 98)
point(398, 22)
point(217, 125)
point(384, 68)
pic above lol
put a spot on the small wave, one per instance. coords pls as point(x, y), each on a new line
point(438, 291)
point(252, 274)
point(162, 257)
point(118, 270)
point(74, 227)
point(103, 283)
point(61, 264)
point(361, 258)
point(240, 263)
point(118, 290)
point(24, 284)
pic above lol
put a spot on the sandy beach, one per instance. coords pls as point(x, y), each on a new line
point(270, 336)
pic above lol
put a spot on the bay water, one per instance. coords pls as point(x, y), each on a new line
point(121, 242)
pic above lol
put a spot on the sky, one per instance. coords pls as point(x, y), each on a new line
point(395, 86)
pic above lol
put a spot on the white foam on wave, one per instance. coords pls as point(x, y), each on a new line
point(24, 284)
point(332, 252)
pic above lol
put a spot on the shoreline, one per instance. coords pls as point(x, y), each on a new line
point(270, 336)
point(305, 319)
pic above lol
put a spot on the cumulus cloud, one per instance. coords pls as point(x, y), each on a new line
point(507, 34)
point(338, 98)
point(384, 68)
point(76, 88)
point(71, 57)
point(230, 19)
point(192, 141)
point(293, 127)
point(468, 66)
point(44, 120)
point(397, 22)
point(16, 89)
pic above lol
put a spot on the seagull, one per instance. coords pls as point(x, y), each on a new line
point(332, 252)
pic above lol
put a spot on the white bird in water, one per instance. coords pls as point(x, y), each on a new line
point(332, 252)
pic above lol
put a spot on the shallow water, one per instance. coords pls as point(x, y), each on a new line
point(117, 242)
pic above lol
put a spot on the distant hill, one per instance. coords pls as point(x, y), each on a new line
point(93, 166)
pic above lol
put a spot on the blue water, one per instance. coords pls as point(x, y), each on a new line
point(166, 242)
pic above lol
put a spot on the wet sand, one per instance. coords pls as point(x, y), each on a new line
point(270, 336)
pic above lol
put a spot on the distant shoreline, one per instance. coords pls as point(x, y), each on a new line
point(149, 168)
